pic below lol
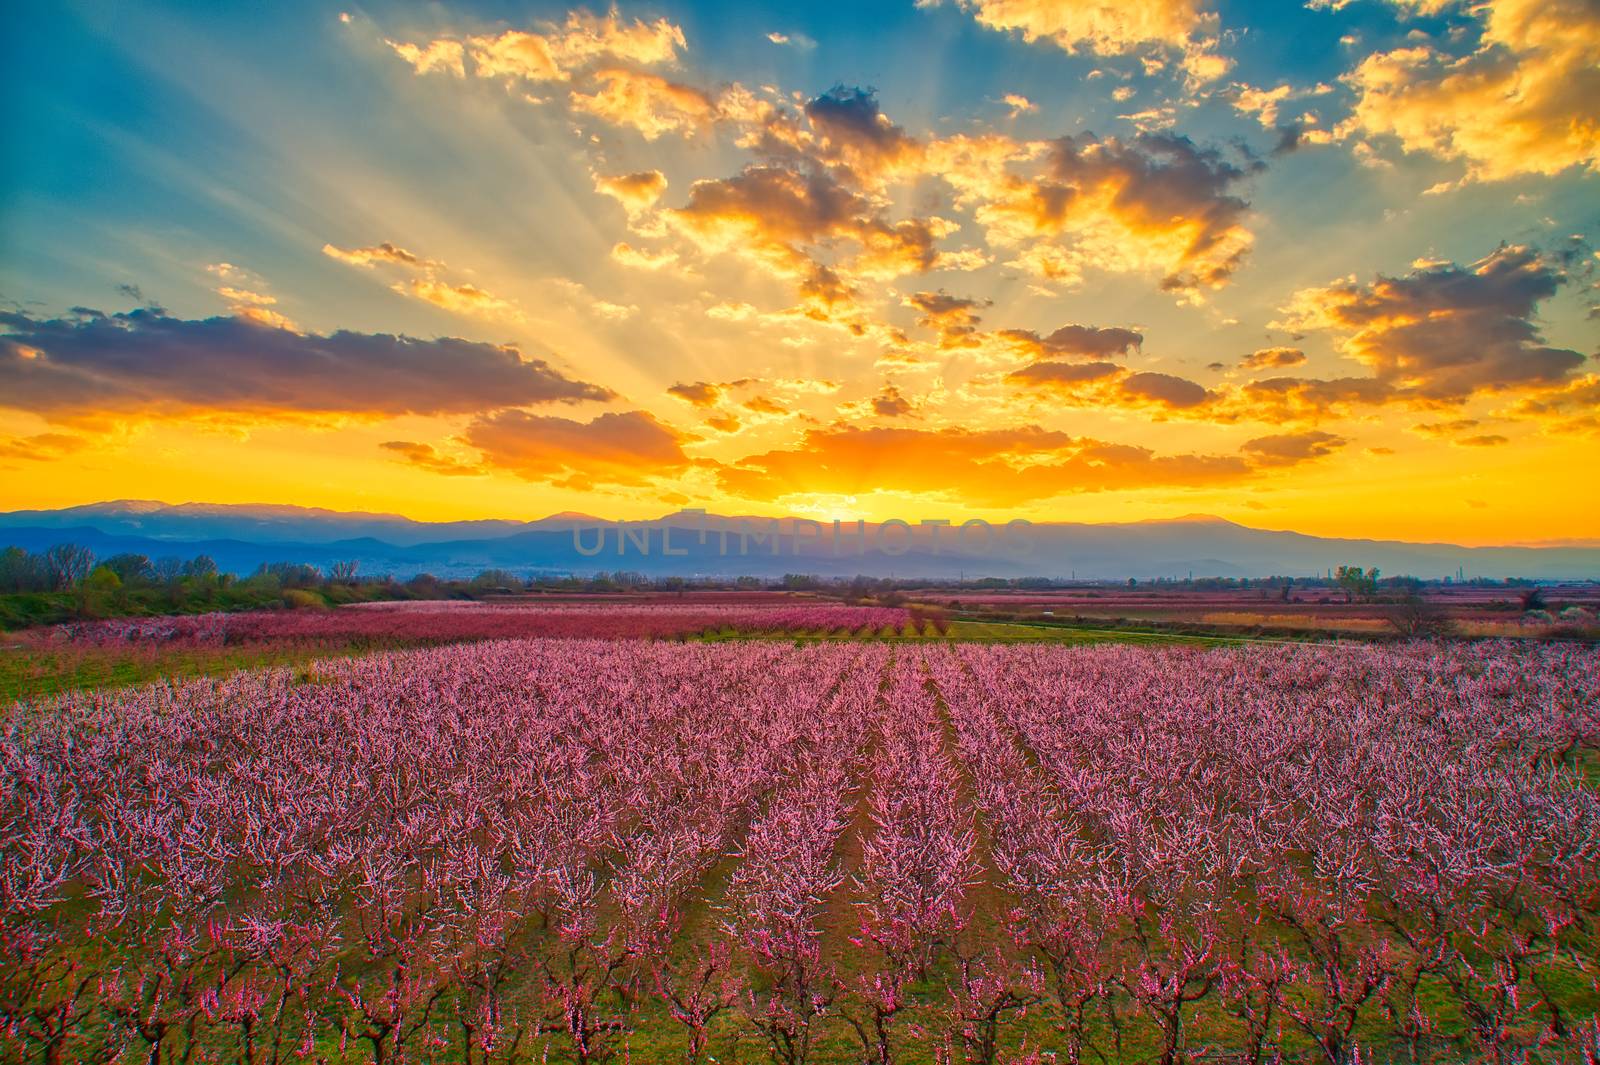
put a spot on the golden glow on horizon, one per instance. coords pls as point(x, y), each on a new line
point(1428, 492)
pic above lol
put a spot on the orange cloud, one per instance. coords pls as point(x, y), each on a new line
point(463, 298)
point(442, 56)
point(699, 393)
point(459, 299)
point(425, 457)
point(779, 216)
point(41, 447)
point(1580, 394)
point(551, 55)
point(637, 191)
point(1459, 432)
point(893, 249)
point(384, 252)
point(1099, 28)
point(646, 102)
point(764, 405)
point(641, 259)
point(1521, 103)
point(248, 304)
point(997, 467)
point(769, 210)
point(1154, 202)
point(627, 449)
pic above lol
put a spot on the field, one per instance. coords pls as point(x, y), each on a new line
point(913, 850)
point(1568, 611)
point(117, 652)
point(122, 651)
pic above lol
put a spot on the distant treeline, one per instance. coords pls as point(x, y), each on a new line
point(67, 581)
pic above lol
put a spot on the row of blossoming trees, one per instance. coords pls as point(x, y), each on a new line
point(436, 622)
point(596, 851)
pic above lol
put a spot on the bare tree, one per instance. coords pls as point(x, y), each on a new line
point(343, 572)
point(1413, 617)
point(67, 564)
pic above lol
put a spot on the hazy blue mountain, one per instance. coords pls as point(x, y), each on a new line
point(690, 544)
point(260, 523)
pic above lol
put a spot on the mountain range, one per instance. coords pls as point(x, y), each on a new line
point(240, 537)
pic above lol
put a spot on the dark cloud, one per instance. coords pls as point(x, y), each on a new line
point(1444, 333)
point(1273, 359)
point(1108, 384)
point(852, 115)
point(697, 393)
point(1288, 397)
point(1063, 373)
point(942, 305)
point(889, 249)
point(890, 403)
point(772, 203)
point(136, 294)
point(1292, 136)
point(1159, 181)
point(855, 131)
point(1077, 341)
point(143, 362)
point(824, 294)
point(763, 405)
point(955, 317)
point(1165, 389)
point(1446, 429)
point(1290, 449)
point(778, 214)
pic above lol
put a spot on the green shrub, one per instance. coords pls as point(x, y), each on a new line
point(300, 599)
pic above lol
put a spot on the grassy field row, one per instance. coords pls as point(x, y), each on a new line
point(34, 673)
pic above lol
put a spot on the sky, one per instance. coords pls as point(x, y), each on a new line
point(1328, 267)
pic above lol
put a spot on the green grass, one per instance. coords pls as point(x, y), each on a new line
point(28, 674)
point(1024, 631)
point(965, 631)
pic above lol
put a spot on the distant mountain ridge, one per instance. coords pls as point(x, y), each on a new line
point(688, 543)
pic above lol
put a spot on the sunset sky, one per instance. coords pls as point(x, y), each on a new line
point(1329, 268)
